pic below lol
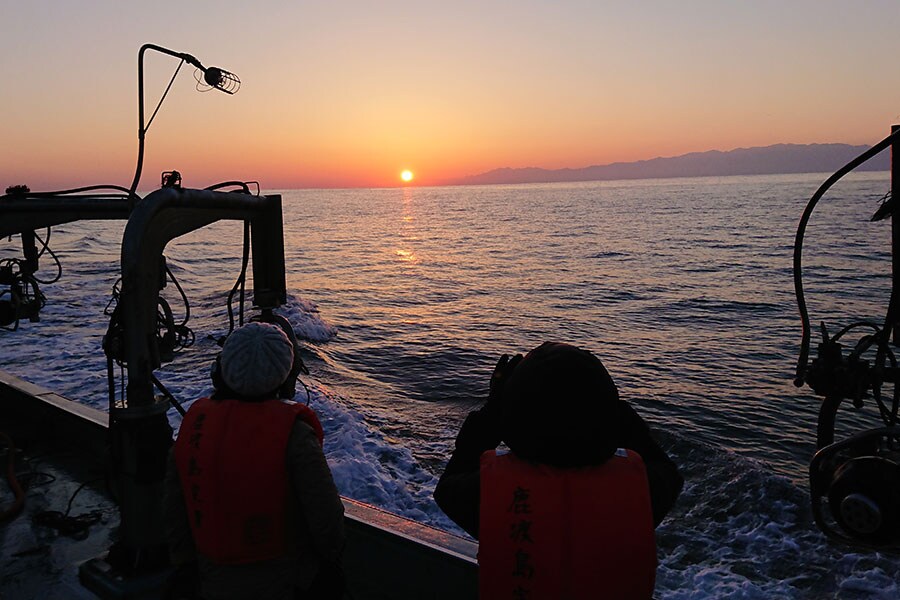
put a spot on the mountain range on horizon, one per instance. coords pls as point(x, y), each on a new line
point(763, 160)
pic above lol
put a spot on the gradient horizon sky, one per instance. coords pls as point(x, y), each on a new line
point(349, 94)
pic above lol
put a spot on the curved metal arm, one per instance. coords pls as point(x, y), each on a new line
point(798, 247)
point(214, 77)
point(163, 216)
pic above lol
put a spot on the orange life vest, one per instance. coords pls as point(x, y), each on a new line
point(546, 532)
point(231, 459)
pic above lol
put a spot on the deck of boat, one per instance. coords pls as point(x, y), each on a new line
point(62, 445)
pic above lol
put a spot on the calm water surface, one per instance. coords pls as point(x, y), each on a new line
point(405, 298)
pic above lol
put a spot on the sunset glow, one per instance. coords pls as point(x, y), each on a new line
point(406, 176)
point(339, 95)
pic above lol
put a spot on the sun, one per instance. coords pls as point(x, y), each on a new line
point(406, 176)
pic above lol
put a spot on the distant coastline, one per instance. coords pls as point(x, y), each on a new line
point(767, 160)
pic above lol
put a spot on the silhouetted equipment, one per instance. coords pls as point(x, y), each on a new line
point(886, 210)
point(855, 483)
point(22, 298)
point(171, 179)
point(220, 79)
point(143, 331)
point(212, 77)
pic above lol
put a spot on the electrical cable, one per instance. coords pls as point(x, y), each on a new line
point(244, 260)
point(852, 326)
point(183, 335)
point(184, 298)
point(244, 185)
point(165, 328)
point(44, 243)
point(73, 191)
point(308, 395)
point(113, 342)
point(45, 246)
point(239, 282)
point(75, 526)
point(241, 184)
point(116, 294)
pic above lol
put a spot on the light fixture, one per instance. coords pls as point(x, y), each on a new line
point(212, 78)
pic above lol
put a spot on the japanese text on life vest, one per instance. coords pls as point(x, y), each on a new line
point(520, 535)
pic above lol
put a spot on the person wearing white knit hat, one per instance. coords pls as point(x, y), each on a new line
point(256, 360)
point(236, 525)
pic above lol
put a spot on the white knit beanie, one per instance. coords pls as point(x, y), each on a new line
point(256, 359)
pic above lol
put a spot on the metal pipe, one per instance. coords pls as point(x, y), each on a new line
point(142, 130)
point(139, 430)
point(140, 156)
point(215, 77)
point(161, 217)
point(36, 213)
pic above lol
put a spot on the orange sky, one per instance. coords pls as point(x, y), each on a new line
point(349, 94)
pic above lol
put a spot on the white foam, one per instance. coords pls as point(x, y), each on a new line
point(308, 324)
point(368, 468)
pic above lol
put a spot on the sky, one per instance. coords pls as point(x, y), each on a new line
point(350, 93)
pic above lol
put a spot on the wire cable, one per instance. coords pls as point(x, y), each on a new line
point(69, 192)
point(165, 93)
point(239, 283)
point(183, 335)
point(75, 526)
point(184, 298)
point(241, 184)
point(45, 246)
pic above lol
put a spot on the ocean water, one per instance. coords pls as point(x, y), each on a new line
point(405, 298)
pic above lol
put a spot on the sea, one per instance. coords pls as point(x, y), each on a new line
point(405, 298)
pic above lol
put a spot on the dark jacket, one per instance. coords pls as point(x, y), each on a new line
point(458, 491)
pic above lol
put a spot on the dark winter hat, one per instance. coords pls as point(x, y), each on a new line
point(559, 407)
point(256, 359)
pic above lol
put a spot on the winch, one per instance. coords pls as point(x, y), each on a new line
point(855, 482)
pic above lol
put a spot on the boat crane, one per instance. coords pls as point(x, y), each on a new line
point(385, 555)
point(855, 482)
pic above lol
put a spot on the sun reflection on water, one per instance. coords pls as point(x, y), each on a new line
point(408, 232)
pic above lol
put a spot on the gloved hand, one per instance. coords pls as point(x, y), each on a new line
point(502, 372)
point(481, 429)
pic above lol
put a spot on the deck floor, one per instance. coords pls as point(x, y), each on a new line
point(37, 560)
point(61, 446)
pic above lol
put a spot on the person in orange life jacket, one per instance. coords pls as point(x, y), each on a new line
point(251, 507)
point(558, 410)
